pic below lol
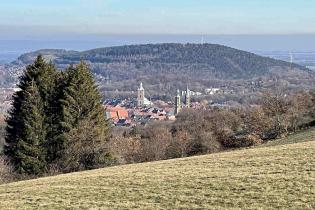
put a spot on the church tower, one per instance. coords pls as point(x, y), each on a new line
point(187, 98)
point(178, 104)
point(140, 98)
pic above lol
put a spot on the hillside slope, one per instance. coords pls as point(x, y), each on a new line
point(282, 176)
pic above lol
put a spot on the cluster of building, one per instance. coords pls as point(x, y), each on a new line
point(130, 112)
point(124, 116)
point(140, 110)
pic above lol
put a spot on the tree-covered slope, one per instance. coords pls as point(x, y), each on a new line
point(163, 68)
point(197, 60)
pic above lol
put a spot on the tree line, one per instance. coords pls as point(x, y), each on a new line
point(56, 121)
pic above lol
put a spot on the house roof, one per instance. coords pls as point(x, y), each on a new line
point(116, 112)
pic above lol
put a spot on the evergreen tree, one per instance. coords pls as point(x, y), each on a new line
point(26, 133)
point(54, 140)
point(44, 75)
point(82, 142)
point(49, 82)
point(56, 118)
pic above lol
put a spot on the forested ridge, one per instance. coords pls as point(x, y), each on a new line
point(164, 68)
point(207, 59)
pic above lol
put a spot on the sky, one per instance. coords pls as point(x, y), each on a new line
point(36, 18)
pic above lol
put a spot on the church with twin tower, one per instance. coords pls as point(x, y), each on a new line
point(178, 100)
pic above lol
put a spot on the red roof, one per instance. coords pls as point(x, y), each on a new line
point(117, 112)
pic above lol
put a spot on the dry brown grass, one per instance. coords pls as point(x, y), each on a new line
point(258, 178)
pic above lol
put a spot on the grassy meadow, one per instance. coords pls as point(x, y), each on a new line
point(276, 175)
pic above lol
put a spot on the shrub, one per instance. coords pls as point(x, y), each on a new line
point(203, 143)
point(196, 147)
point(174, 150)
point(6, 171)
point(241, 140)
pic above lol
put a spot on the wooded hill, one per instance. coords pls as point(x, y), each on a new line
point(196, 60)
point(165, 67)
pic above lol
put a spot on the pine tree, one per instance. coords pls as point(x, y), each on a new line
point(83, 122)
point(26, 133)
point(56, 118)
point(54, 138)
point(43, 74)
point(49, 82)
point(27, 124)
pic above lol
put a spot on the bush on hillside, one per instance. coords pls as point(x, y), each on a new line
point(6, 170)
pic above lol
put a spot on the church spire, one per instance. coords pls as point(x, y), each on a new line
point(178, 105)
point(141, 86)
point(140, 98)
point(187, 98)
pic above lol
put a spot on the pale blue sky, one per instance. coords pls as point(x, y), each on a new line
point(40, 17)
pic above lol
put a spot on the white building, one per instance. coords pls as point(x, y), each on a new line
point(141, 99)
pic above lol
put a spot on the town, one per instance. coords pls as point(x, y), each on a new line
point(140, 110)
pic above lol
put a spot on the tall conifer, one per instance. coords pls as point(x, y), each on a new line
point(30, 152)
point(27, 124)
point(56, 118)
point(83, 121)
